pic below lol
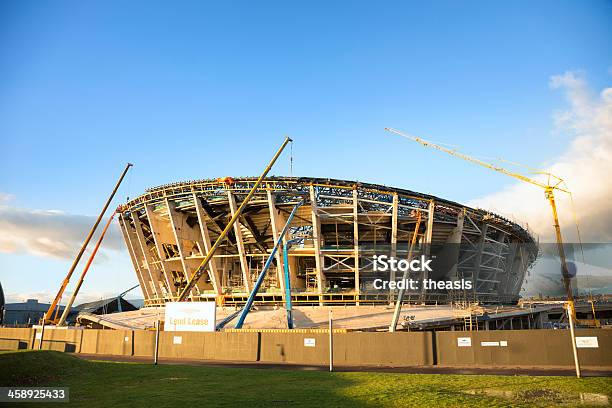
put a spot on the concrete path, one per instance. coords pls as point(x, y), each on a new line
point(527, 371)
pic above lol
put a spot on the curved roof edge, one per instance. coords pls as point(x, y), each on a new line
point(496, 218)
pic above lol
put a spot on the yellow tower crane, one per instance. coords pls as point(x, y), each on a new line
point(553, 183)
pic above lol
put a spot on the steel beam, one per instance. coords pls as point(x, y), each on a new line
point(213, 269)
point(178, 239)
point(148, 260)
point(276, 229)
point(356, 241)
point(154, 225)
point(133, 256)
point(427, 243)
point(244, 265)
point(316, 238)
point(394, 221)
point(478, 262)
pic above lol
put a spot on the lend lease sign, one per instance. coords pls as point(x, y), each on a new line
point(190, 316)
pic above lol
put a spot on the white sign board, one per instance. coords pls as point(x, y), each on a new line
point(587, 342)
point(464, 342)
point(503, 343)
point(310, 342)
point(177, 340)
point(190, 316)
point(489, 343)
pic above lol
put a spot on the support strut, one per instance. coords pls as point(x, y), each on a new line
point(202, 268)
point(400, 295)
point(251, 299)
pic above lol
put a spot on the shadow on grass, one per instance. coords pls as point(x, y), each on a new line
point(103, 384)
point(96, 383)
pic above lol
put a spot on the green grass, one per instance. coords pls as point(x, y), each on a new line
point(105, 384)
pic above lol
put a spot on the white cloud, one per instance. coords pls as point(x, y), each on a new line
point(47, 297)
point(586, 166)
point(50, 233)
point(6, 197)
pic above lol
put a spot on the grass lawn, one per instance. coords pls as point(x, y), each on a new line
point(108, 384)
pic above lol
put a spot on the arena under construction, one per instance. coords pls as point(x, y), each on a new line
point(340, 226)
point(225, 255)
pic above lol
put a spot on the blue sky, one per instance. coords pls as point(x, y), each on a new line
point(188, 90)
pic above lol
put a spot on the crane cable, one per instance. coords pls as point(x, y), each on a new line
point(532, 170)
point(291, 159)
point(129, 186)
point(579, 235)
point(587, 275)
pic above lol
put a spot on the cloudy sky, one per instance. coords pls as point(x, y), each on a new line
point(206, 90)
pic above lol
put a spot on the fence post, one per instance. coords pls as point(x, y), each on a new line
point(42, 335)
point(156, 341)
point(331, 343)
point(573, 336)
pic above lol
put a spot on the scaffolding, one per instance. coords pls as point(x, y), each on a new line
point(339, 228)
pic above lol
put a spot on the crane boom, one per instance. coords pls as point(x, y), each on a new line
point(493, 167)
point(55, 307)
point(75, 292)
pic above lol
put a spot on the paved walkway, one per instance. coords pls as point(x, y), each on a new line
point(531, 371)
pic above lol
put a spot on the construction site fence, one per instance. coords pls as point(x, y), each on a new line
point(499, 348)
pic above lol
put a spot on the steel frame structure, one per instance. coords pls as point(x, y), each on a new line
point(169, 230)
